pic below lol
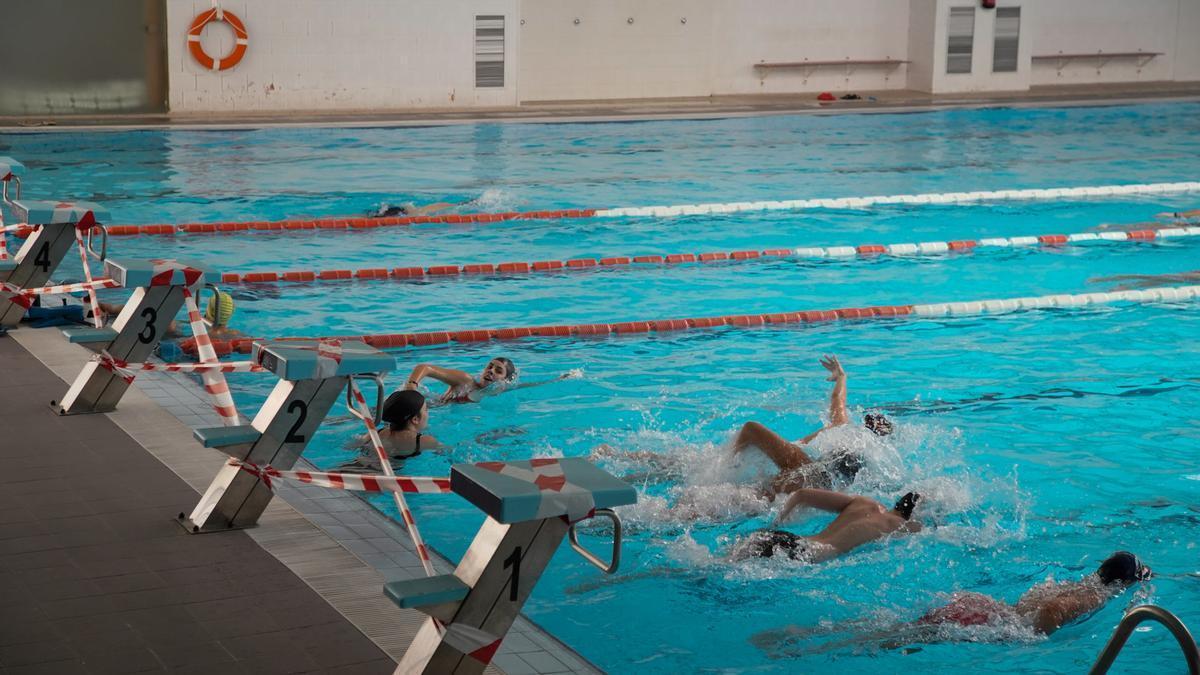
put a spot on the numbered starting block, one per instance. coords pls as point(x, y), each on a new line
point(312, 374)
point(131, 338)
point(43, 251)
point(531, 506)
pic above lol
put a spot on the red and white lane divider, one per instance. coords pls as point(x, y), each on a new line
point(970, 308)
point(1029, 194)
point(350, 481)
point(863, 250)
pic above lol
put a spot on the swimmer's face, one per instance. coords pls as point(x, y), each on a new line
point(495, 371)
point(422, 419)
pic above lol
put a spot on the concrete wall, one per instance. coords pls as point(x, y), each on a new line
point(392, 54)
point(344, 55)
point(1088, 26)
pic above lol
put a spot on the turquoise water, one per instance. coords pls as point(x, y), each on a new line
point(1043, 440)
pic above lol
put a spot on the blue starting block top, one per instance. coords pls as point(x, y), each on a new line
point(319, 359)
point(10, 167)
point(142, 273)
point(58, 213)
point(514, 492)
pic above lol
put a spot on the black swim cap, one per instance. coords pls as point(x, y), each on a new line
point(1124, 567)
point(402, 407)
point(906, 505)
point(877, 423)
point(847, 464)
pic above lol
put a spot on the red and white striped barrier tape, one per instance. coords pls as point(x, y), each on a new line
point(214, 380)
point(616, 262)
point(70, 288)
point(220, 367)
point(351, 481)
point(93, 303)
point(343, 223)
point(400, 340)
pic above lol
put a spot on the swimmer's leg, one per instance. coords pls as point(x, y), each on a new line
point(787, 456)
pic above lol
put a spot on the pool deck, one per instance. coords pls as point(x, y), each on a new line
point(96, 576)
point(712, 107)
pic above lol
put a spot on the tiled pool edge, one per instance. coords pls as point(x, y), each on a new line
point(336, 543)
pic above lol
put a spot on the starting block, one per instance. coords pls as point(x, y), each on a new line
point(158, 294)
point(531, 506)
point(43, 250)
point(313, 373)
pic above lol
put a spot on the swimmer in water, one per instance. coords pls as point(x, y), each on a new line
point(407, 417)
point(1042, 609)
point(409, 209)
point(796, 468)
point(1138, 281)
point(860, 520)
point(499, 372)
point(1172, 219)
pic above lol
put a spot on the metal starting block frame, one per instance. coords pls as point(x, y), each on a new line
point(44, 249)
point(158, 294)
point(531, 505)
point(313, 373)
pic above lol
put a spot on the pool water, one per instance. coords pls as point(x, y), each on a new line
point(1042, 441)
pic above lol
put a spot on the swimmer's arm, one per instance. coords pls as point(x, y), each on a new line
point(449, 376)
point(430, 208)
point(826, 500)
point(910, 526)
point(1179, 214)
point(430, 443)
point(538, 383)
point(1064, 609)
point(838, 414)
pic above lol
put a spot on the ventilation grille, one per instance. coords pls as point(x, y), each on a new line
point(961, 39)
point(1008, 29)
point(489, 51)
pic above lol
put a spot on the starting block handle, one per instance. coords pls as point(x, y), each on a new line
point(103, 242)
point(377, 378)
point(609, 567)
point(15, 179)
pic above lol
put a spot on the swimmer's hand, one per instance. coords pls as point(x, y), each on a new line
point(572, 374)
point(834, 367)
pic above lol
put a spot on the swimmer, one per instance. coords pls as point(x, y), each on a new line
point(409, 209)
point(1172, 218)
point(860, 520)
point(217, 315)
point(1042, 609)
point(796, 468)
point(1132, 282)
point(407, 417)
point(499, 372)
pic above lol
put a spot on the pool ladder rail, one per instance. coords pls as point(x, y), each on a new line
point(1131, 620)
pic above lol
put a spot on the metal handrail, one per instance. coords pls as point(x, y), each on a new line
point(377, 378)
point(103, 254)
point(16, 192)
point(1146, 613)
point(606, 567)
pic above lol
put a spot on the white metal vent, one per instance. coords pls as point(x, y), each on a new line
point(1008, 30)
point(489, 51)
point(960, 39)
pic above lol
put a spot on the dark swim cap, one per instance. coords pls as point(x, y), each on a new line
point(847, 464)
point(402, 407)
point(877, 423)
point(906, 505)
point(765, 543)
point(1124, 567)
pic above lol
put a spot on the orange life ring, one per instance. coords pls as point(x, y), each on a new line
point(239, 48)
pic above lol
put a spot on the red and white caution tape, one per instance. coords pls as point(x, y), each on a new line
point(220, 367)
point(70, 288)
point(353, 481)
point(631, 262)
point(385, 461)
point(93, 303)
point(399, 340)
point(214, 380)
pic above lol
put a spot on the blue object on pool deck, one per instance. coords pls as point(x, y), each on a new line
point(316, 359)
point(38, 212)
point(514, 492)
point(45, 317)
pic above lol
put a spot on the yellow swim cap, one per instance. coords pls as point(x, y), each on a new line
point(220, 310)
